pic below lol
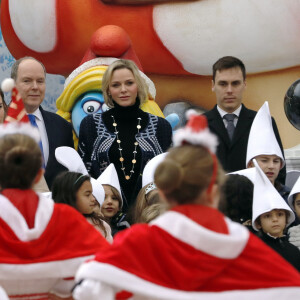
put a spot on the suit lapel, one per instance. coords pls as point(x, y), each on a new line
point(50, 135)
point(218, 125)
point(244, 123)
point(47, 126)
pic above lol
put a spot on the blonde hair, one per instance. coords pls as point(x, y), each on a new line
point(143, 200)
point(186, 172)
point(131, 66)
point(153, 211)
point(20, 161)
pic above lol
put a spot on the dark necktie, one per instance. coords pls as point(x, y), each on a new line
point(33, 123)
point(230, 125)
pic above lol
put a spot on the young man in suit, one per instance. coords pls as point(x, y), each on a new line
point(230, 120)
point(30, 78)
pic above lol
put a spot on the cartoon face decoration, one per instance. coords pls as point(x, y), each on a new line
point(82, 95)
point(87, 104)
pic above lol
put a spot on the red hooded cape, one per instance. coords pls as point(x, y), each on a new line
point(191, 252)
point(34, 260)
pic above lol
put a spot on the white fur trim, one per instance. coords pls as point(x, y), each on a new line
point(53, 269)
point(14, 219)
point(91, 290)
point(191, 112)
point(106, 61)
point(115, 279)
point(32, 289)
point(205, 138)
point(205, 240)
point(20, 128)
point(3, 295)
point(7, 85)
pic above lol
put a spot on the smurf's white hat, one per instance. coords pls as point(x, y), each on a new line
point(295, 190)
point(110, 177)
point(149, 170)
point(249, 173)
point(195, 132)
point(266, 197)
point(262, 140)
point(70, 159)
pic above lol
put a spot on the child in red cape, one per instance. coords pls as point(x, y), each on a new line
point(41, 243)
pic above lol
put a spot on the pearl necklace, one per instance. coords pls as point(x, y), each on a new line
point(127, 177)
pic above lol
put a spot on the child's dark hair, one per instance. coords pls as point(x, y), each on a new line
point(20, 161)
point(64, 189)
point(228, 62)
point(66, 185)
point(237, 198)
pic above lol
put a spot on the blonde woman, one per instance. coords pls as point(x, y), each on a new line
point(124, 135)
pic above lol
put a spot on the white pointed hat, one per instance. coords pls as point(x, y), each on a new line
point(295, 190)
point(110, 176)
point(249, 173)
point(262, 139)
point(149, 170)
point(266, 197)
point(70, 159)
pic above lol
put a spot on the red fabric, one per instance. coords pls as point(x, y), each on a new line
point(203, 215)
point(16, 110)
point(26, 201)
point(43, 296)
point(155, 256)
point(68, 235)
point(197, 123)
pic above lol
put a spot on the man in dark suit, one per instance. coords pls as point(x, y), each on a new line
point(229, 84)
point(30, 77)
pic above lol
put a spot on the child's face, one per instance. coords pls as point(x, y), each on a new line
point(111, 204)
point(85, 201)
point(273, 222)
point(270, 165)
point(297, 205)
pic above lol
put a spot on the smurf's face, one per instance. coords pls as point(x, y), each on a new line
point(88, 104)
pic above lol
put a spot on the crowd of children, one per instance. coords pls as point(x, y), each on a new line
point(185, 248)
